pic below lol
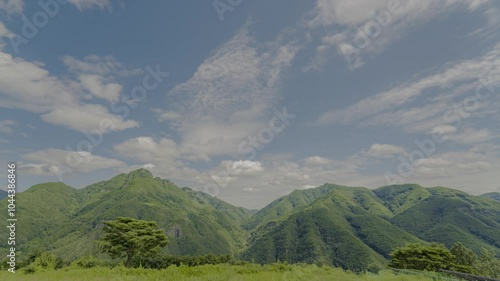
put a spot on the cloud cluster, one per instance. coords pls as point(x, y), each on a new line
point(12, 6)
point(60, 101)
point(49, 162)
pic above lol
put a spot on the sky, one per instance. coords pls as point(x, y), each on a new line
point(250, 100)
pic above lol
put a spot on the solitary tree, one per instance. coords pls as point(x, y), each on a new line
point(422, 257)
point(127, 237)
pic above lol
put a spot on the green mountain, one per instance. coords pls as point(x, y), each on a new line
point(493, 195)
point(349, 227)
point(353, 227)
point(447, 216)
point(58, 218)
point(344, 226)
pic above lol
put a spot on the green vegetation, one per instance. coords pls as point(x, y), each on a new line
point(354, 228)
point(435, 257)
point(357, 228)
point(422, 257)
point(493, 195)
point(221, 272)
point(127, 237)
point(59, 219)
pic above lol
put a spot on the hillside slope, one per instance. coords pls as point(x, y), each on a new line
point(493, 195)
point(353, 227)
point(448, 216)
point(349, 227)
point(66, 221)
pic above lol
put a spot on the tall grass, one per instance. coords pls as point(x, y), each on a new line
point(221, 272)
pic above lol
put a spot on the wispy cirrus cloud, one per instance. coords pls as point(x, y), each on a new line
point(443, 90)
point(6, 126)
point(366, 28)
point(230, 95)
point(88, 4)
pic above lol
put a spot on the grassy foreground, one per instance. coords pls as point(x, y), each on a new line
point(206, 272)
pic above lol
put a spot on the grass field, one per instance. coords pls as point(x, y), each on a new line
point(207, 272)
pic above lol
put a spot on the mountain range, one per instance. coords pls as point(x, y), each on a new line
point(348, 227)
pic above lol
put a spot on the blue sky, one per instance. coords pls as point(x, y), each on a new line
point(249, 100)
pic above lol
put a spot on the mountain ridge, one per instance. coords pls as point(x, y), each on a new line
point(349, 227)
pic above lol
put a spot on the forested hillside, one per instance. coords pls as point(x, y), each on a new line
point(350, 227)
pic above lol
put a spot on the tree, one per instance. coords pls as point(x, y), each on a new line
point(431, 257)
point(465, 259)
point(488, 265)
point(127, 237)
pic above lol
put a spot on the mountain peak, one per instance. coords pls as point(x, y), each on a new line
point(140, 173)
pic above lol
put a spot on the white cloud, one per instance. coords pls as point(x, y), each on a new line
point(344, 12)
point(12, 6)
point(128, 169)
point(55, 161)
point(6, 126)
point(148, 150)
point(17, 6)
point(470, 136)
point(88, 117)
point(99, 65)
point(28, 86)
point(167, 115)
point(229, 97)
point(4, 32)
point(161, 155)
point(443, 129)
point(96, 85)
point(88, 4)
point(452, 81)
point(384, 150)
point(239, 168)
point(367, 27)
point(317, 160)
point(277, 177)
point(245, 167)
point(454, 163)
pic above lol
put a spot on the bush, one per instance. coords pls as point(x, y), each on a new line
point(159, 262)
point(87, 262)
point(48, 261)
point(373, 268)
point(29, 270)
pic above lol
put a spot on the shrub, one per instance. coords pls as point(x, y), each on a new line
point(87, 262)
